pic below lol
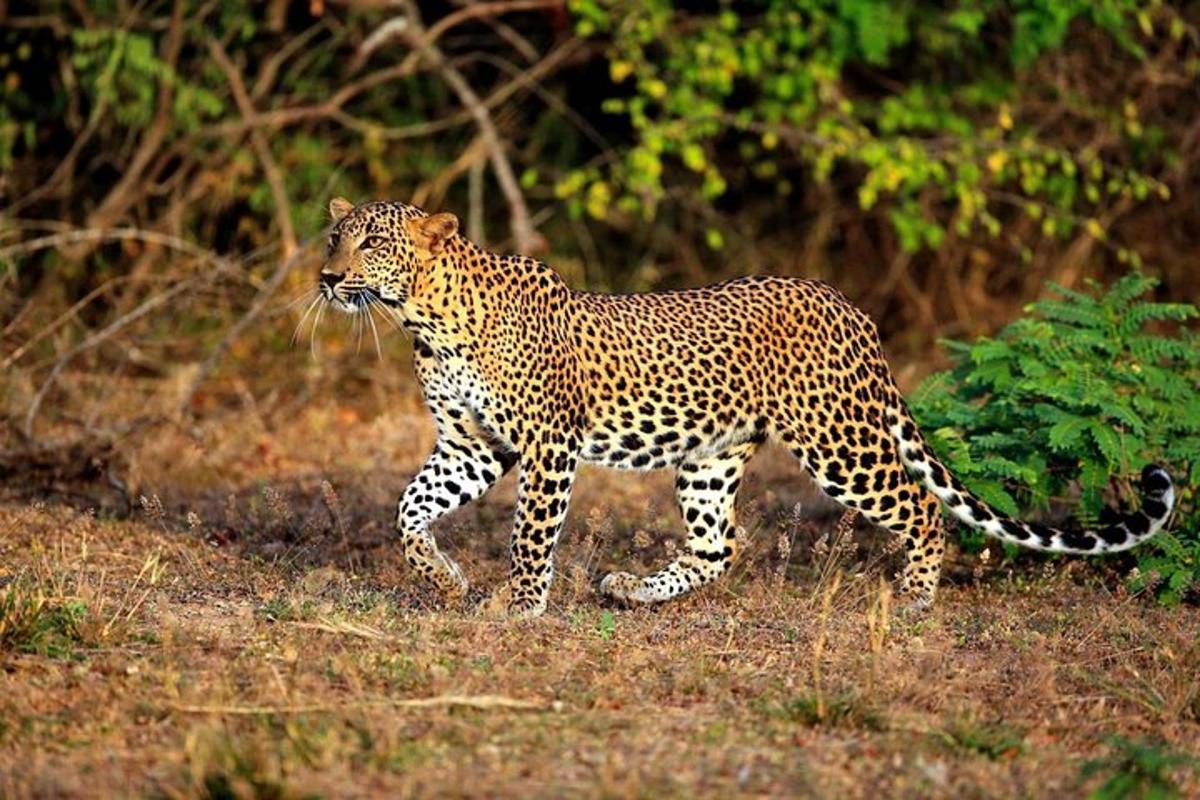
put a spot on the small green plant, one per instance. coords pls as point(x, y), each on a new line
point(607, 625)
point(1084, 388)
point(845, 709)
point(1137, 770)
point(991, 740)
point(32, 622)
point(277, 609)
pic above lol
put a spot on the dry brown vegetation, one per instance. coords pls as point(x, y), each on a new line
point(252, 631)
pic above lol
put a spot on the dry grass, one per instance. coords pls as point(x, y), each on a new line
point(252, 632)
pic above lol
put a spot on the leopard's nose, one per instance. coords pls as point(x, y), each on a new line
point(331, 279)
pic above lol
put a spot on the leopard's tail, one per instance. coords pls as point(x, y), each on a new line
point(1119, 531)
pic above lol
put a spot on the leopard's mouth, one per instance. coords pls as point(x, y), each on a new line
point(354, 300)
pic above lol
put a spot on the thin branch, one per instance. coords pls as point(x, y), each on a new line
point(55, 23)
point(475, 202)
point(432, 190)
point(62, 318)
point(525, 238)
point(128, 188)
point(283, 209)
point(91, 235)
point(332, 108)
point(100, 336)
point(260, 302)
point(398, 27)
point(270, 69)
point(530, 79)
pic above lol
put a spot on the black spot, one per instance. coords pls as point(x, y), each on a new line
point(980, 513)
point(1043, 532)
point(1014, 529)
point(1113, 534)
point(1155, 509)
point(1078, 540)
point(1138, 523)
point(1155, 480)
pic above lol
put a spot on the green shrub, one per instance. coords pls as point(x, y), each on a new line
point(751, 96)
point(1075, 396)
point(1137, 770)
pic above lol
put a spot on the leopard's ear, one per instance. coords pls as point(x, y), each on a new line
point(339, 207)
point(431, 233)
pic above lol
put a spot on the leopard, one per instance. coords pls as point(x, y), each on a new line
point(521, 371)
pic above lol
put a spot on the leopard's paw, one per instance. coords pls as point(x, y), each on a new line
point(914, 603)
point(503, 605)
point(451, 581)
point(525, 608)
point(495, 605)
point(623, 587)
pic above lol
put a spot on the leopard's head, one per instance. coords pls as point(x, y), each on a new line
point(375, 251)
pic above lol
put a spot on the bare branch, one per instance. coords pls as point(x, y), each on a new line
point(260, 303)
point(148, 305)
point(526, 239)
point(127, 189)
point(398, 27)
point(332, 108)
point(476, 702)
point(283, 209)
point(270, 68)
point(69, 237)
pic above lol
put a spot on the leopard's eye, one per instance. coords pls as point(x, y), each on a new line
point(371, 242)
point(333, 243)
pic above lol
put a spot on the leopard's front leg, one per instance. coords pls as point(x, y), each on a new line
point(463, 464)
point(457, 472)
point(547, 474)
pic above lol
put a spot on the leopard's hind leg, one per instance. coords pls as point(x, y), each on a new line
point(860, 469)
point(706, 489)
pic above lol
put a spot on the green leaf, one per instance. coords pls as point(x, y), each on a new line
point(1067, 432)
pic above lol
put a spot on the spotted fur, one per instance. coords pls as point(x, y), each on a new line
point(519, 369)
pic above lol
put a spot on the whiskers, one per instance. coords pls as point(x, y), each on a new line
point(366, 301)
point(370, 301)
point(315, 302)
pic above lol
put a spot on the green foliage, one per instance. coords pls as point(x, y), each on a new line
point(993, 741)
point(748, 96)
point(606, 626)
point(1137, 770)
point(32, 622)
point(122, 70)
point(845, 709)
point(1086, 387)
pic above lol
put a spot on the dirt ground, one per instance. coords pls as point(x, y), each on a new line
point(251, 631)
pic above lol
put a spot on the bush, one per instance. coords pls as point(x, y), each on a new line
point(1074, 397)
point(752, 97)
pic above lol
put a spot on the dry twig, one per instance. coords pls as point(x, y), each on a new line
point(525, 238)
point(481, 702)
point(283, 209)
